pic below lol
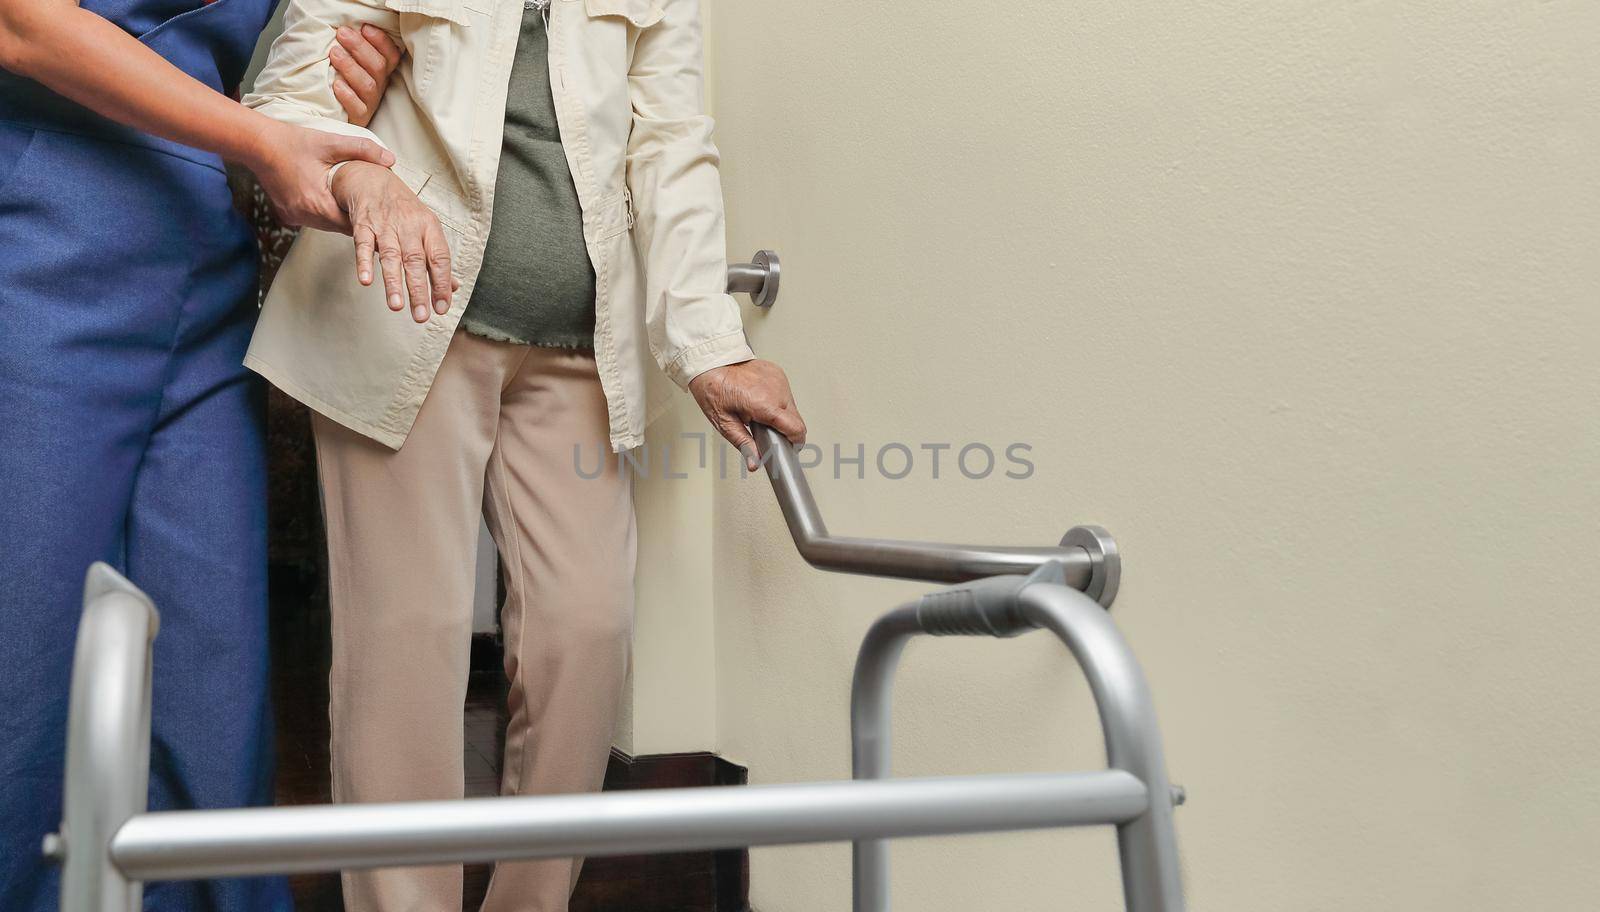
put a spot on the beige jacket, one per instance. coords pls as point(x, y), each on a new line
point(627, 81)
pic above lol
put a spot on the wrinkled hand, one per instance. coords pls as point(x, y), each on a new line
point(387, 218)
point(363, 60)
point(292, 165)
point(737, 394)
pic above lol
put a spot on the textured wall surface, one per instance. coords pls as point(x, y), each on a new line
point(1301, 300)
point(670, 703)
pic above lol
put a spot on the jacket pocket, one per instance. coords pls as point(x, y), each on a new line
point(610, 216)
point(430, 31)
point(414, 178)
point(640, 13)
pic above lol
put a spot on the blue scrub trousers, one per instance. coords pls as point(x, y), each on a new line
point(129, 433)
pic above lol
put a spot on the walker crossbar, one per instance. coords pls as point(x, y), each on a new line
point(177, 845)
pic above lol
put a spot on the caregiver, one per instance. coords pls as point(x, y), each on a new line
point(129, 430)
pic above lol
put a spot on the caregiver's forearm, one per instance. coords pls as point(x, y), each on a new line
point(90, 60)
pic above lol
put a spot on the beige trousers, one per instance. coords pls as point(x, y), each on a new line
point(496, 436)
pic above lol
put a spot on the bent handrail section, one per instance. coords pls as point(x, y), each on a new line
point(1088, 554)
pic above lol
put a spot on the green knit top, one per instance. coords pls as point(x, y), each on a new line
point(536, 285)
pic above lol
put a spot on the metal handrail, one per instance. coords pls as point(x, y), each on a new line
point(1088, 554)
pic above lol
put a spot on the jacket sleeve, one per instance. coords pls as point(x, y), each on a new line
point(296, 84)
point(692, 322)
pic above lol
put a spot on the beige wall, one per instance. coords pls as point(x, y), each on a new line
point(671, 700)
point(670, 703)
point(1302, 301)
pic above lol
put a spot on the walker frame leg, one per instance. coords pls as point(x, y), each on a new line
point(1004, 607)
point(108, 743)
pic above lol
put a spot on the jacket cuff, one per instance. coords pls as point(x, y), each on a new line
point(289, 112)
point(717, 351)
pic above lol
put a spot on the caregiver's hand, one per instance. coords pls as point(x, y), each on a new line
point(363, 60)
point(734, 395)
point(89, 59)
point(387, 217)
point(292, 165)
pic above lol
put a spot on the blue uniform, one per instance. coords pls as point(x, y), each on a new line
point(130, 433)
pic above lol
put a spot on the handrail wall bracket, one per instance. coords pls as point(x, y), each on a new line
point(757, 278)
point(1105, 575)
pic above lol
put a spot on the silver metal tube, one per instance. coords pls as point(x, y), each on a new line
point(1151, 880)
point(745, 278)
point(194, 844)
point(1147, 844)
point(933, 561)
point(871, 705)
point(108, 742)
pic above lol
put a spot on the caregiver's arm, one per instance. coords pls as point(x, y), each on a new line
point(88, 59)
point(388, 221)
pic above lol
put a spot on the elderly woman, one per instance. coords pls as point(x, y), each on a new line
point(552, 223)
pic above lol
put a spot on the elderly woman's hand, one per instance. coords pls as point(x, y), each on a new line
point(737, 394)
point(386, 218)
